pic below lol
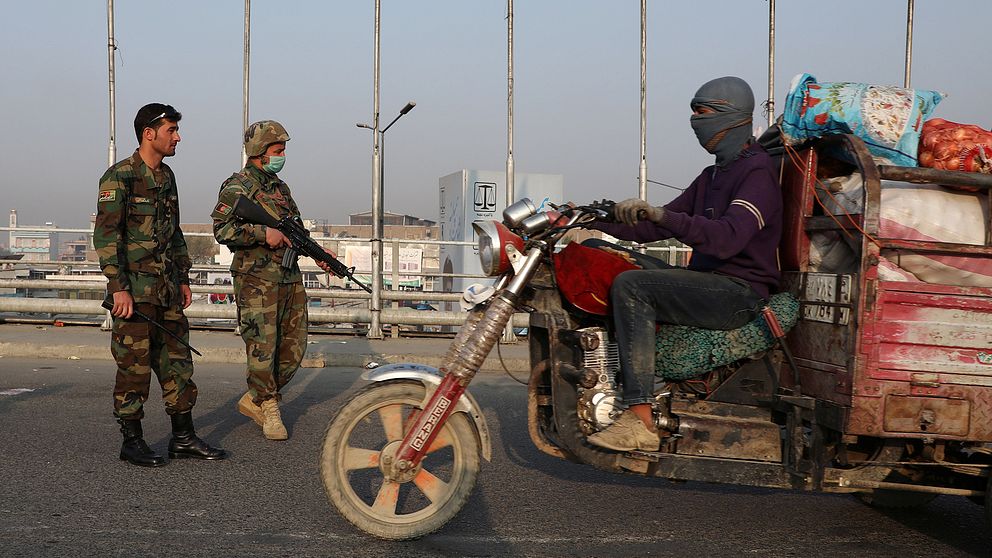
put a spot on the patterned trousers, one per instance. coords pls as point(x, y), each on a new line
point(273, 321)
point(141, 348)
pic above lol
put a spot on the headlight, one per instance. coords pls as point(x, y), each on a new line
point(493, 236)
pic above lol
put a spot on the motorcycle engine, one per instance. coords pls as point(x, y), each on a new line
point(598, 405)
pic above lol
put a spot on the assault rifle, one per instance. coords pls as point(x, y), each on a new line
point(299, 238)
point(108, 303)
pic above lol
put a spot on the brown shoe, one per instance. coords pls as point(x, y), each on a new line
point(627, 433)
point(272, 425)
point(248, 408)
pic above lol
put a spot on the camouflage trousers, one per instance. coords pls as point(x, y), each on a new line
point(140, 348)
point(273, 321)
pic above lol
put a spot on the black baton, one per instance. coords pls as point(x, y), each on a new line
point(109, 305)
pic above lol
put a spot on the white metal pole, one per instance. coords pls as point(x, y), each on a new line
point(108, 320)
point(510, 197)
point(508, 335)
point(642, 171)
point(111, 47)
point(375, 327)
point(771, 63)
point(910, 9)
point(244, 85)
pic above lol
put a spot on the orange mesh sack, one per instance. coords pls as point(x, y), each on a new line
point(586, 274)
point(951, 146)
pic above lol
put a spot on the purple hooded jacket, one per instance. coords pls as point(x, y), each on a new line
point(730, 216)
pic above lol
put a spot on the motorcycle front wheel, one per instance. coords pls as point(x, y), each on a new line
point(364, 431)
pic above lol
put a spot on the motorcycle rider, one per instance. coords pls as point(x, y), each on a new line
point(731, 216)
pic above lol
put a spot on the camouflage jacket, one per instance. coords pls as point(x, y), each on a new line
point(252, 256)
point(137, 236)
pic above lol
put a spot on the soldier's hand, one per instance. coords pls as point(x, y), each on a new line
point(323, 265)
point(123, 305)
point(187, 295)
point(274, 238)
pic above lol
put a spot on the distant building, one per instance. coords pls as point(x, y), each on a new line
point(415, 257)
point(9, 270)
point(35, 246)
point(365, 218)
point(406, 232)
point(75, 250)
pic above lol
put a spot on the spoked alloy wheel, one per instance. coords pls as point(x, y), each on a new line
point(364, 433)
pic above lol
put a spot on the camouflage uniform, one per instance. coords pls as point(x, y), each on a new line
point(142, 251)
point(272, 305)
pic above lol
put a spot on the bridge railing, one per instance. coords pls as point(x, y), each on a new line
point(80, 291)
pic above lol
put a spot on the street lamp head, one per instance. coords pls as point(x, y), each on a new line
point(360, 125)
point(409, 106)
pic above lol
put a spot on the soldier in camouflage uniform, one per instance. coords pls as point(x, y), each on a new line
point(272, 305)
point(143, 254)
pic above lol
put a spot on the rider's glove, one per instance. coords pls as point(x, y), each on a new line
point(633, 210)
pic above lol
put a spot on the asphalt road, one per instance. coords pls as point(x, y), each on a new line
point(64, 492)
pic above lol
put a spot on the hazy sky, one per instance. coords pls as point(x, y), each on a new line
point(577, 73)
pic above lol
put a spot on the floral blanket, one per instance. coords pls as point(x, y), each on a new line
point(887, 119)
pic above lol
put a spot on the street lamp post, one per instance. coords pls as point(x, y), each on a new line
point(375, 325)
point(108, 320)
point(246, 68)
point(382, 140)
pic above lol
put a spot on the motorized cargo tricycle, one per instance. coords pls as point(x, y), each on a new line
point(846, 383)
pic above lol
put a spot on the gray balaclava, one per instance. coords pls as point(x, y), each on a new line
point(726, 131)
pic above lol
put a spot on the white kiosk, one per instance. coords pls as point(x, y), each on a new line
point(469, 195)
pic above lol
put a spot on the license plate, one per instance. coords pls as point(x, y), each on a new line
point(829, 288)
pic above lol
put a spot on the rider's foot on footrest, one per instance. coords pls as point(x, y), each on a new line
point(627, 433)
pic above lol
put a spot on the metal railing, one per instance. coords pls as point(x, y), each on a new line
point(400, 316)
point(91, 282)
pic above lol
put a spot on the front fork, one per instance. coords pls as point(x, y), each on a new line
point(475, 340)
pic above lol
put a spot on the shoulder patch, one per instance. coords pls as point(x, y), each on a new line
point(223, 208)
point(108, 195)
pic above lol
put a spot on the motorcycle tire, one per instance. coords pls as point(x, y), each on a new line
point(376, 416)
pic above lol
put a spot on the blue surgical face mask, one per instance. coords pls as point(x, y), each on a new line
point(275, 164)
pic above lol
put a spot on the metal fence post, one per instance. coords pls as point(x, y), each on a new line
point(396, 281)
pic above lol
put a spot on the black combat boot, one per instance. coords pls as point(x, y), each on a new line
point(134, 450)
point(185, 443)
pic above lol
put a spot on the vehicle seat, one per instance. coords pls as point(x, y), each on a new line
point(684, 352)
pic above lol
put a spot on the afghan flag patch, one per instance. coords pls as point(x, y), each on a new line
point(223, 208)
point(108, 195)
